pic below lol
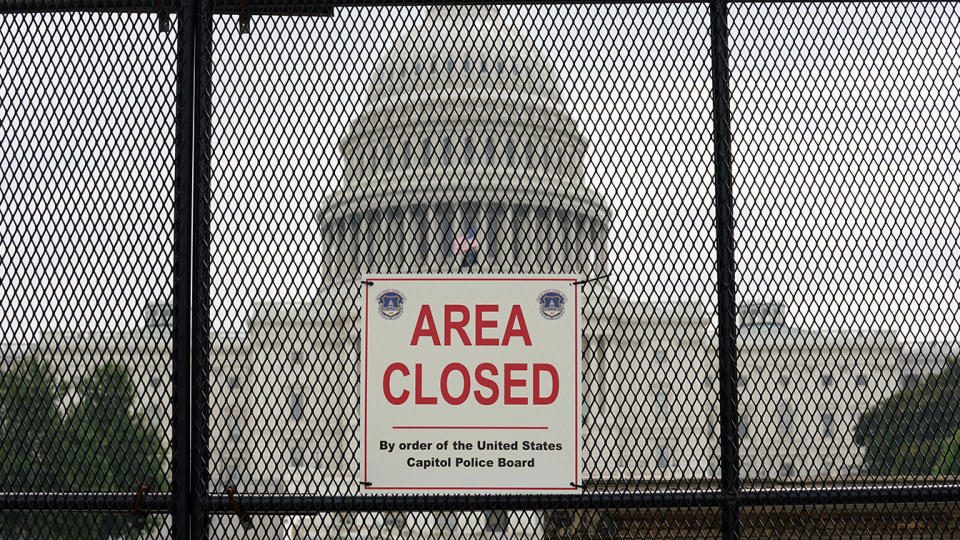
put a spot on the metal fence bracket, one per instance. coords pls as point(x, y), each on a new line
point(163, 17)
point(139, 519)
point(245, 521)
point(243, 22)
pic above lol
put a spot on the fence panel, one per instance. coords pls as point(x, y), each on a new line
point(558, 138)
point(845, 151)
point(286, 156)
point(86, 235)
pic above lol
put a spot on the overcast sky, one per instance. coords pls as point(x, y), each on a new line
point(845, 156)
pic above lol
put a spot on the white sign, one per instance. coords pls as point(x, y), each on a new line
point(470, 383)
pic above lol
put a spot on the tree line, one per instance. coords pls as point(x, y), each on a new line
point(915, 432)
point(88, 437)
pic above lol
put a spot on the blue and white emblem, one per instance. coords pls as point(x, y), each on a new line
point(390, 303)
point(551, 304)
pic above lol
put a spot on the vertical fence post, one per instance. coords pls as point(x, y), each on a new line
point(191, 268)
point(726, 273)
point(200, 403)
point(183, 270)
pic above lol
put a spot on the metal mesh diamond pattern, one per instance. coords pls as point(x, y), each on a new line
point(373, 158)
point(85, 214)
point(576, 139)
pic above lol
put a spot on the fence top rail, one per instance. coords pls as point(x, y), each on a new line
point(325, 9)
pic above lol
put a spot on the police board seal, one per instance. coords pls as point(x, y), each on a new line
point(552, 304)
point(390, 304)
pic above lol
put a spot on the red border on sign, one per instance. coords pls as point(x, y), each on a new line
point(576, 389)
point(366, 332)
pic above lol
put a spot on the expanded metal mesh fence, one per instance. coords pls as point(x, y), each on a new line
point(86, 211)
point(435, 134)
point(766, 223)
point(847, 234)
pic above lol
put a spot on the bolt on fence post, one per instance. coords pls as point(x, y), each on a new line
point(183, 269)
point(726, 272)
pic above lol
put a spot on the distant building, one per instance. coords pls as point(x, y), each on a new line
point(802, 392)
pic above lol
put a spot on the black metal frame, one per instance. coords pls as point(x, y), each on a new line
point(726, 272)
point(183, 268)
point(190, 504)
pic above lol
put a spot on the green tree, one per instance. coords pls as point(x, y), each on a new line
point(949, 464)
point(98, 444)
point(31, 432)
point(910, 433)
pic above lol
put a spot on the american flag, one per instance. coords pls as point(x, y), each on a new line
point(466, 242)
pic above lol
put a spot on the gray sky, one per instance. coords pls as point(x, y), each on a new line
point(845, 156)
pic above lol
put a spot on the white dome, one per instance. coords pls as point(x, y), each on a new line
point(464, 90)
point(459, 48)
point(464, 129)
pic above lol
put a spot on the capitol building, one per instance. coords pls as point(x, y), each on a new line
point(466, 133)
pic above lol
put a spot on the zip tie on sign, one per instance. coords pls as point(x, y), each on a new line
point(581, 282)
point(368, 484)
point(244, 519)
point(578, 485)
point(367, 283)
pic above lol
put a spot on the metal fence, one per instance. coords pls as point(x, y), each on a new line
point(763, 195)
